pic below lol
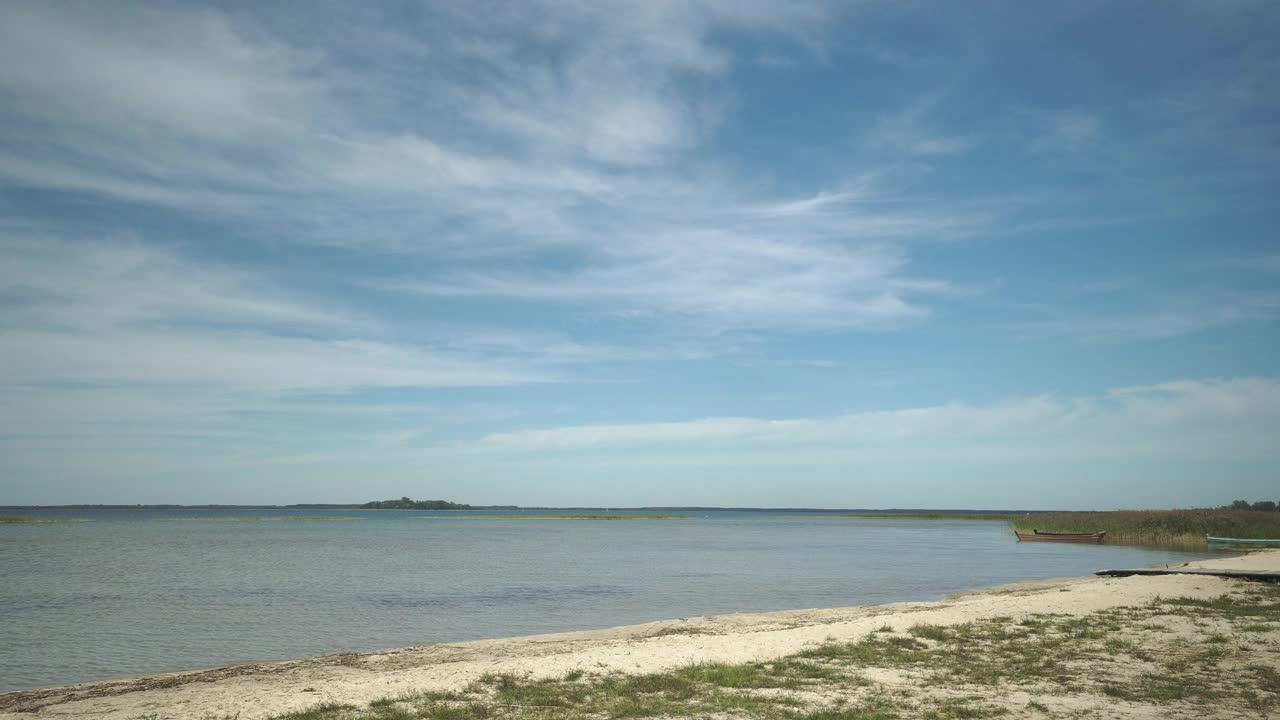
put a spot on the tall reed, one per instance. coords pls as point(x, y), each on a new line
point(1172, 528)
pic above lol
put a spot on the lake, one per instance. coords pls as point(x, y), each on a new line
point(142, 591)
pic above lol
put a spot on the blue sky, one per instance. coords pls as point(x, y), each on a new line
point(729, 253)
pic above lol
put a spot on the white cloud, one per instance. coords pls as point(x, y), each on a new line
point(720, 281)
point(617, 92)
point(153, 104)
point(187, 91)
point(417, 166)
point(125, 313)
point(910, 131)
point(140, 71)
point(930, 424)
point(1126, 416)
point(88, 286)
point(241, 361)
point(1195, 401)
point(824, 261)
point(1176, 315)
point(585, 115)
point(1070, 131)
point(806, 206)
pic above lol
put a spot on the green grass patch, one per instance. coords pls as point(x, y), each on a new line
point(326, 711)
point(1261, 604)
point(27, 520)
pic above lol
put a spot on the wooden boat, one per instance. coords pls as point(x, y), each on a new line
point(1037, 536)
point(1221, 543)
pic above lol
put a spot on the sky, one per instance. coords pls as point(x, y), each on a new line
point(580, 252)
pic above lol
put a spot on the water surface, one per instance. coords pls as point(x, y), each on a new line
point(131, 594)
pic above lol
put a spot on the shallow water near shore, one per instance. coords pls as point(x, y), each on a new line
point(128, 595)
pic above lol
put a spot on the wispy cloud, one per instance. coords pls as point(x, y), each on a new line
point(835, 259)
point(1123, 415)
point(872, 426)
point(584, 152)
point(175, 95)
point(115, 313)
point(64, 285)
point(1066, 131)
point(619, 95)
point(1219, 401)
point(911, 130)
point(724, 279)
point(232, 107)
point(1172, 315)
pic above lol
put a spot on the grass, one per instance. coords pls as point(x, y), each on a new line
point(266, 518)
point(1171, 528)
point(1058, 664)
point(558, 517)
point(24, 520)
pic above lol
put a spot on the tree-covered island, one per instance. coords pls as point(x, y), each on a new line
point(405, 503)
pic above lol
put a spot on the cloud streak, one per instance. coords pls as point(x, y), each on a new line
point(116, 313)
point(1123, 415)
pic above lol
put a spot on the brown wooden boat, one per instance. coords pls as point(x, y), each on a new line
point(1037, 536)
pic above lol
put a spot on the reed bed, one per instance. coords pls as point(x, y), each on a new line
point(1170, 528)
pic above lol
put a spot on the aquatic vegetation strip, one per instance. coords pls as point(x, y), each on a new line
point(1040, 666)
point(265, 518)
point(29, 520)
point(1170, 528)
point(930, 516)
point(556, 517)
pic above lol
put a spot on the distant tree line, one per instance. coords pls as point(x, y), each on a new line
point(1263, 505)
point(405, 503)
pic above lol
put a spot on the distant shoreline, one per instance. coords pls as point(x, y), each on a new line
point(540, 508)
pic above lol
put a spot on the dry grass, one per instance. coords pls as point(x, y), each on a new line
point(1040, 666)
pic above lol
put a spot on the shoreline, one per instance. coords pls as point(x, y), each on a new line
point(263, 690)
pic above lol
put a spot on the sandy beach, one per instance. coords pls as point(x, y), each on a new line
point(263, 690)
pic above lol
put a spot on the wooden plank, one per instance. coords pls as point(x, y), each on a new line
point(1258, 575)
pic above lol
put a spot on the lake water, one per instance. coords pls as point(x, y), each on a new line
point(132, 593)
